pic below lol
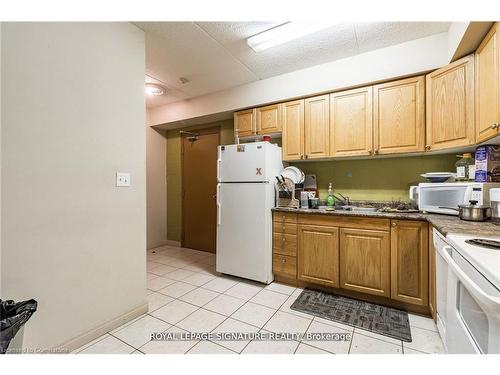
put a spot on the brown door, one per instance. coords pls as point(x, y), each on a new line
point(199, 183)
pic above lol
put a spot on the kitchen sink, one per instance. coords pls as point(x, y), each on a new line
point(356, 208)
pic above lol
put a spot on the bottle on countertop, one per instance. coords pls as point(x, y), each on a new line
point(330, 200)
point(466, 167)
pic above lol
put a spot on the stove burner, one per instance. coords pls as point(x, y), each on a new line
point(481, 242)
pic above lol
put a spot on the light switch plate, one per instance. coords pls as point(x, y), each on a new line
point(122, 179)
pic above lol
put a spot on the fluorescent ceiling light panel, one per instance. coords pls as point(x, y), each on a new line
point(285, 33)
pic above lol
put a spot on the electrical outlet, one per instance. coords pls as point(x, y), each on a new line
point(122, 179)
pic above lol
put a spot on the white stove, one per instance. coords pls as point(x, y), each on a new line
point(481, 254)
point(468, 293)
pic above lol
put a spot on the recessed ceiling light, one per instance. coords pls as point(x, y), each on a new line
point(154, 90)
point(285, 33)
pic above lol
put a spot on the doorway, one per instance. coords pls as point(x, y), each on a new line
point(199, 185)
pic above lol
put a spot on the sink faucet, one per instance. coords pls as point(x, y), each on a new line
point(345, 200)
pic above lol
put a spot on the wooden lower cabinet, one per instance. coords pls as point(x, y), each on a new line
point(318, 254)
point(388, 259)
point(409, 261)
point(365, 261)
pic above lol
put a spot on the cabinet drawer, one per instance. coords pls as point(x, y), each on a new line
point(345, 221)
point(285, 217)
point(288, 228)
point(285, 244)
point(285, 250)
point(285, 265)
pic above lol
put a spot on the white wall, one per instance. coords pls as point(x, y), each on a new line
point(404, 59)
point(1, 24)
point(465, 37)
point(73, 114)
point(456, 32)
point(156, 182)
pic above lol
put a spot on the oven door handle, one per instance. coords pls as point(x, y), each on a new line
point(489, 302)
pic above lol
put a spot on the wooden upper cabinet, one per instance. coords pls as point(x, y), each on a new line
point(488, 86)
point(351, 122)
point(318, 254)
point(399, 116)
point(365, 261)
point(450, 105)
point(293, 130)
point(409, 261)
point(269, 119)
point(316, 133)
point(245, 122)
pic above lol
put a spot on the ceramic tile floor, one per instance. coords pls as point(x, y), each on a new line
point(186, 294)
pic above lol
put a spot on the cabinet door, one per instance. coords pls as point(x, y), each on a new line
point(488, 86)
point(450, 105)
point(269, 119)
point(244, 122)
point(318, 255)
point(409, 261)
point(293, 130)
point(432, 274)
point(316, 135)
point(351, 122)
point(365, 261)
point(399, 116)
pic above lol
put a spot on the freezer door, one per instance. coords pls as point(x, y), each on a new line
point(250, 162)
point(244, 246)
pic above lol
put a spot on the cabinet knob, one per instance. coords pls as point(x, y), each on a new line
point(427, 147)
point(493, 126)
point(376, 151)
point(306, 156)
point(393, 224)
point(283, 260)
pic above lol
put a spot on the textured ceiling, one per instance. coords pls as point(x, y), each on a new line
point(214, 56)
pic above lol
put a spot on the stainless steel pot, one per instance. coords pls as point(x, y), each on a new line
point(472, 212)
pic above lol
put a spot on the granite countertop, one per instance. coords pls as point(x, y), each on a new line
point(446, 224)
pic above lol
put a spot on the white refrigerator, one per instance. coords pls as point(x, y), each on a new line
point(245, 196)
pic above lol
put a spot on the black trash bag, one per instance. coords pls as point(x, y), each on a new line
point(12, 317)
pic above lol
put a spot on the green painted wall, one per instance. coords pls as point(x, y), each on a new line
point(174, 183)
point(376, 179)
point(371, 179)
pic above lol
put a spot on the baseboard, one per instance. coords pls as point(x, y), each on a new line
point(158, 244)
point(89, 336)
point(173, 243)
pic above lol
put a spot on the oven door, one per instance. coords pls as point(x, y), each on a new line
point(440, 197)
point(441, 286)
point(473, 308)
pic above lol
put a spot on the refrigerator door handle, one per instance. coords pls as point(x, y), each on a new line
point(218, 204)
point(219, 160)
